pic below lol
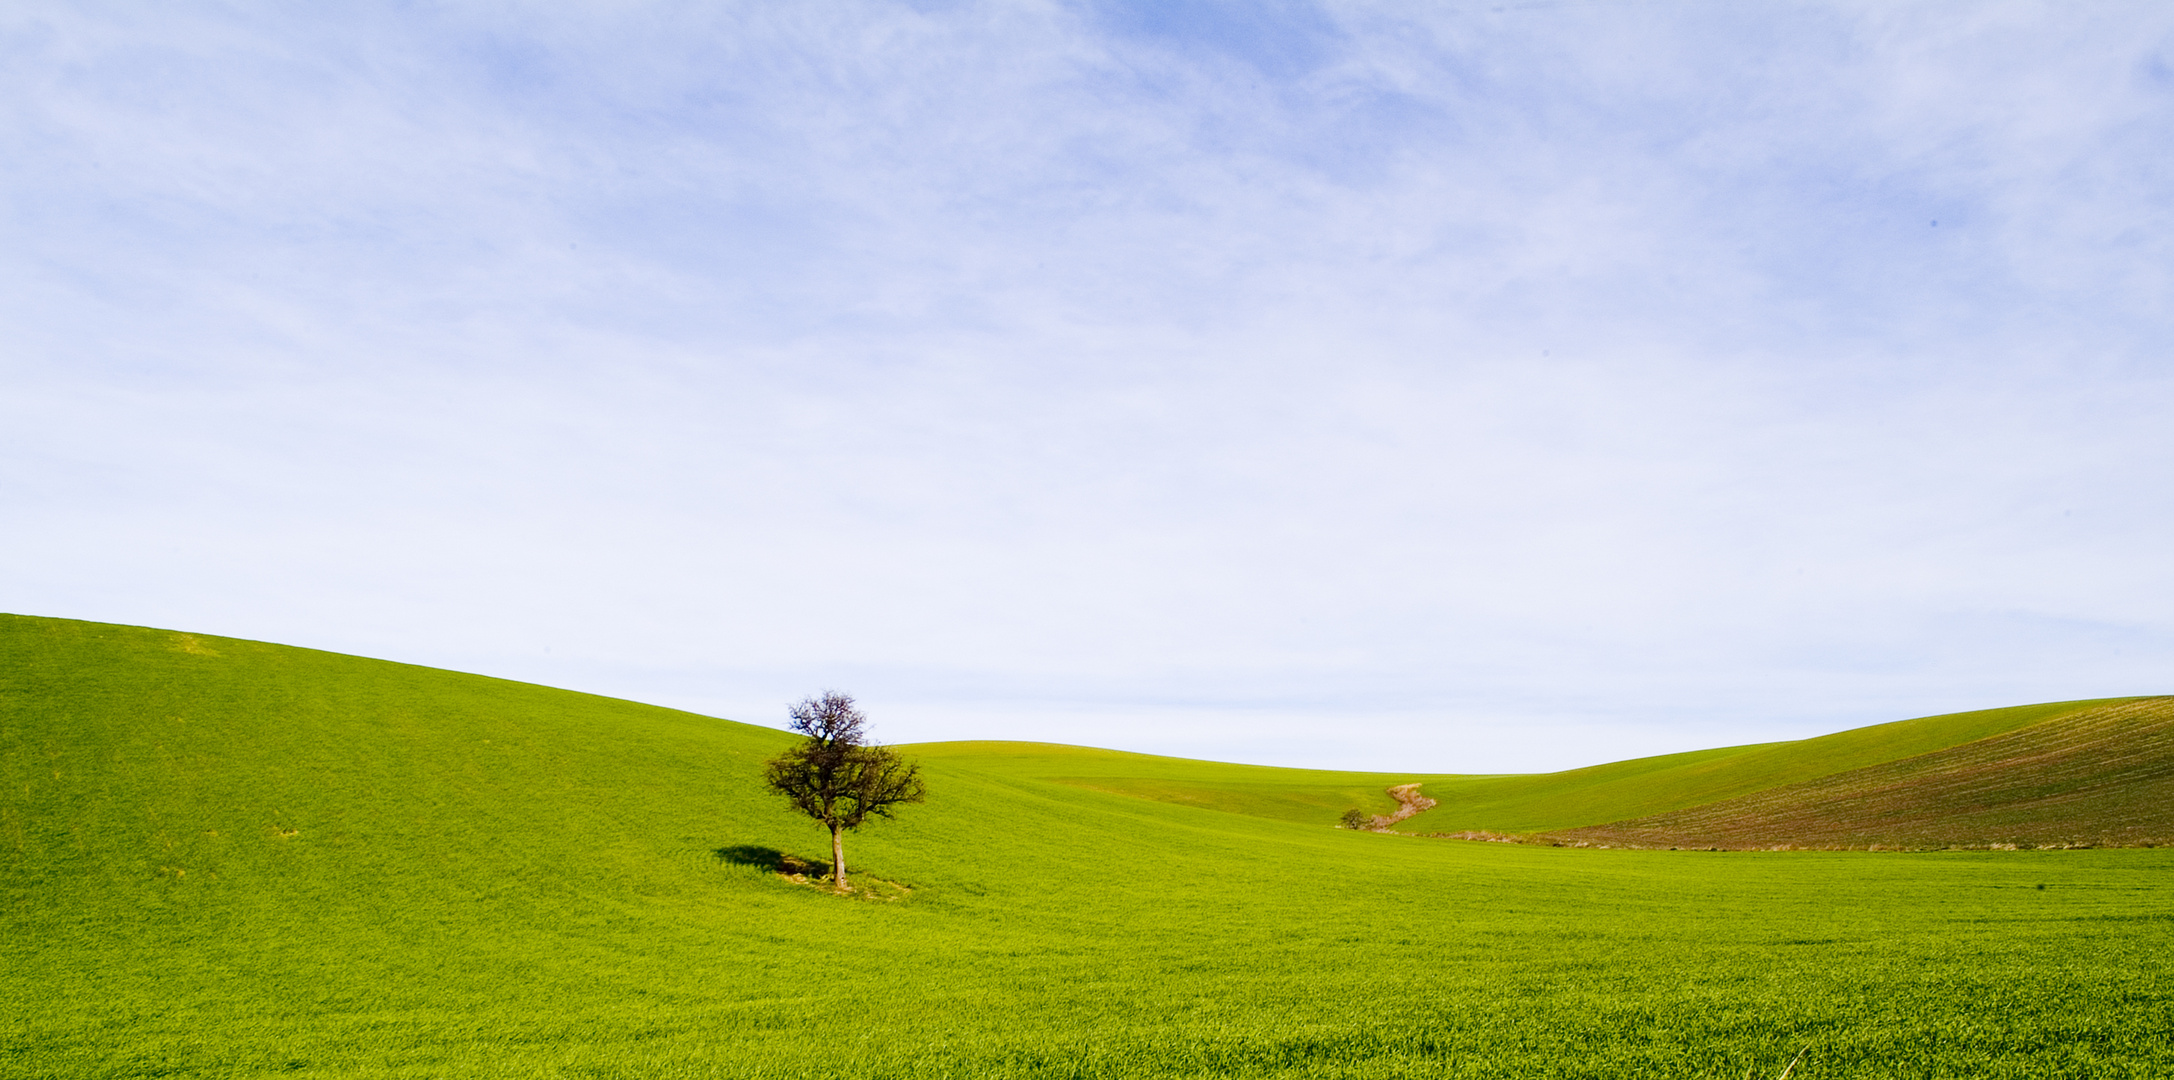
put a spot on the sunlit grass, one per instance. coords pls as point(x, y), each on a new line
point(229, 859)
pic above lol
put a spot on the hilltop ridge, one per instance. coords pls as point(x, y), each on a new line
point(2099, 775)
point(230, 858)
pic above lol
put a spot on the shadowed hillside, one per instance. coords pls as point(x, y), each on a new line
point(2101, 776)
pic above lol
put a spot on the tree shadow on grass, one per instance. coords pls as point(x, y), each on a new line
point(771, 859)
point(809, 872)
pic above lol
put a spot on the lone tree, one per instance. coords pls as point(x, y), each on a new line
point(837, 777)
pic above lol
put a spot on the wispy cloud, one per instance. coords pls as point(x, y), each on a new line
point(1491, 386)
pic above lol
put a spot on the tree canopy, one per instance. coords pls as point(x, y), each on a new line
point(837, 777)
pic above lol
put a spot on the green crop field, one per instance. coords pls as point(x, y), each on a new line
point(224, 858)
point(2080, 774)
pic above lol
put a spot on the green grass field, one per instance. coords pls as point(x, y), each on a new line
point(1657, 785)
point(224, 858)
point(2086, 774)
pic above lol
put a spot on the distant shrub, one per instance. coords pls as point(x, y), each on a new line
point(1356, 818)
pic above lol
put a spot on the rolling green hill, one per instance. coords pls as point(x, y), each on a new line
point(1310, 796)
point(222, 858)
point(2091, 775)
point(1645, 786)
point(2062, 773)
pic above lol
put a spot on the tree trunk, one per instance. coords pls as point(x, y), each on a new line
point(837, 858)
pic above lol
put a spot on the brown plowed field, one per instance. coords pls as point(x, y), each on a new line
point(2102, 777)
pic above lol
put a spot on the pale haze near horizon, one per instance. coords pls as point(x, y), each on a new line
point(1460, 389)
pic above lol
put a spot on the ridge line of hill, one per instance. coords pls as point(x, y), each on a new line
point(2101, 776)
point(2097, 772)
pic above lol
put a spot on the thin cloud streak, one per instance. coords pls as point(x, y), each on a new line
point(1481, 390)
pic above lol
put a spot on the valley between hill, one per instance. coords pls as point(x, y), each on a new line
point(2058, 775)
point(224, 858)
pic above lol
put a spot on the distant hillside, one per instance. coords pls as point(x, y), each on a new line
point(226, 858)
point(1515, 803)
point(191, 727)
point(1308, 796)
point(1642, 787)
point(2056, 774)
point(2097, 776)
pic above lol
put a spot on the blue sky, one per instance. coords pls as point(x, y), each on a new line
point(1465, 387)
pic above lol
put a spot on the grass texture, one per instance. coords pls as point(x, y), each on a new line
point(1599, 795)
point(2093, 775)
point(1644, 787)
point(221, 858)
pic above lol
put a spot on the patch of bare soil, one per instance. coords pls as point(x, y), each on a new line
point(1481, 834)
point(859, 885)
point(811, 873)
point(1409, 802)
point(862, 887)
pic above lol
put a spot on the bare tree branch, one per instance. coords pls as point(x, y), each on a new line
point(837, 777)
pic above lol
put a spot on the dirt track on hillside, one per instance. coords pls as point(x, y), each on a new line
point(1409, 802)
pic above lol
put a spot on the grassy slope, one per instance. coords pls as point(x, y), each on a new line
point(1311, 796)
point(1646, 786)
point(1543, 802)
point(222, 858)
point(2100, 775)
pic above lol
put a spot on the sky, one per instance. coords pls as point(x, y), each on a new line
point(1435, 388)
